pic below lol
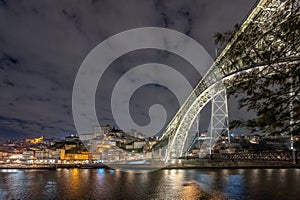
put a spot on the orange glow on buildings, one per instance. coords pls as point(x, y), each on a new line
point(74, 156)
point(35, 140)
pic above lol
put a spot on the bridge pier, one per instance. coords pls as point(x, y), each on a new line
point(218, 126)
point(219, 119)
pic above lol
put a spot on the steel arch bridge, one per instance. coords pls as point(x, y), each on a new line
point(263, 30)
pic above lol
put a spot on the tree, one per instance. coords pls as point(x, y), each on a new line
point(272, 89)
point(222, 38)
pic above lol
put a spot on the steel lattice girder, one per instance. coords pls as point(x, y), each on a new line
point(218, 124)
point(259, 20)
point(263, 20)
point(219, 118)
point(177, 142)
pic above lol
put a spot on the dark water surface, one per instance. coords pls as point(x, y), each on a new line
point(163, 184)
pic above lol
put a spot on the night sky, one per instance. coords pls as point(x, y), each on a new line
point(43, 43)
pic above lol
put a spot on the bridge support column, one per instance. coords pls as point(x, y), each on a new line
point(219, 119)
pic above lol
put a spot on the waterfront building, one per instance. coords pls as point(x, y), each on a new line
point(27, 155)
point(74, 156)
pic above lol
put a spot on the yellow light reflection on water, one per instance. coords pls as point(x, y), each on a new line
point(191, 190)
point(75, 184)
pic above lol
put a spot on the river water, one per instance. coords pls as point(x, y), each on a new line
point(162, 184)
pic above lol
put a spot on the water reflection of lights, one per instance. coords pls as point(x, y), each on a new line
point(176, 177)
point(101, 171)
point(50, 188)
point(85, 172)
point(190, 190)
point(269, 172)
point(172, 172)
point(75, 179)
point(130, 176)
point(234, 185)
point(117, 173)
point(205, 179)
point(10, 170)
point(283, 173)
point(144, 175)
point(255, 172)
point(225, 173)
point(74, 172)
point(131, 172)
point(51, 183)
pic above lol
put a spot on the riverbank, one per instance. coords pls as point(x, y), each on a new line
point(181, 164)
point(52, 166)
point(194, 164)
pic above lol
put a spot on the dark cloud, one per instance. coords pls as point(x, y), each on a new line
point(3, 3)
point(8, 83)
point(43, 43)
point(7, 61)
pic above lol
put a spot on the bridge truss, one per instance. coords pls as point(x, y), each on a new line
point(263, 31)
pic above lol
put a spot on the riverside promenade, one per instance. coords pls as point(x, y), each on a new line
point(51, 166)
point(179, 164)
